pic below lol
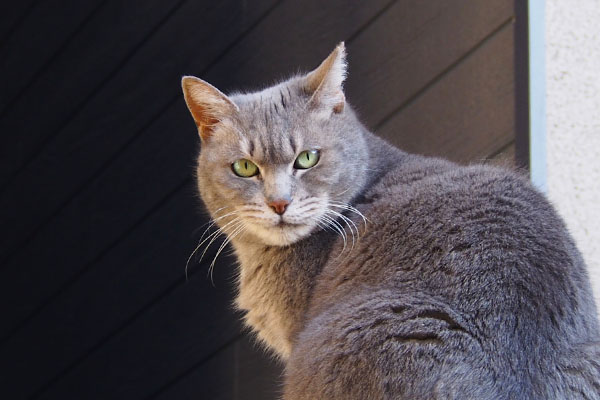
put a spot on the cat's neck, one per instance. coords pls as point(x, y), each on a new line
point(275, 285)
point(383, 157)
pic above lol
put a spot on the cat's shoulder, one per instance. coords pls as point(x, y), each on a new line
point(439, 179)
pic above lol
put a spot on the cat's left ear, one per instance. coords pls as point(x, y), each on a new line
point(326, 82)
point(207, 104)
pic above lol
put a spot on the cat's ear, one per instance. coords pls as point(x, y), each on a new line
point(325, 83)
point(207, 104)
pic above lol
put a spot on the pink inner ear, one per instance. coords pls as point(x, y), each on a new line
point(207, 127)
point(203, 119)
point(339, 107)
point(206, 104)
point(327, 102)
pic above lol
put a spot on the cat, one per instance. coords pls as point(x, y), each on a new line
point(377, 274)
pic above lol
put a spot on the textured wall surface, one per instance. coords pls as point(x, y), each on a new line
point(573, 121)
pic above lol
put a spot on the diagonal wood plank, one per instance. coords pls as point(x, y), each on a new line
point(88, 61)
point(12, 16)
point(212, 378)
point(250, 357)
point(138, 270)
point(138, 362)
point(416, 41)
point(240, 371)
point(469, 114)
point(40, 36)
point(505, 156)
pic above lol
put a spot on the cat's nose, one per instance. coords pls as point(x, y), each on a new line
point(279, 205)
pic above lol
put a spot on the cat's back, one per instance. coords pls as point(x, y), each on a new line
point(464, 274)
point(432, 218)
point(431, 222)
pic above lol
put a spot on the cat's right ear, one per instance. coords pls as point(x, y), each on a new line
point(207, 104)
point(325, 83)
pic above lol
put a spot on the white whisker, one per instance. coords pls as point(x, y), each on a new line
point(201, 240)
point(219, 233)
point(334, 224)
point(332, 228)
point(320, 222)
point(215, 220)
point(233, 234)
point(210, 221)
point(349, 208)
point(341, 193)
point(216, 212)
point(348, 222)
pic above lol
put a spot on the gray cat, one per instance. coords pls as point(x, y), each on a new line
point(376, 274)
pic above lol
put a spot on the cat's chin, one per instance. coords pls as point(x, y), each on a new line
point(281, 235)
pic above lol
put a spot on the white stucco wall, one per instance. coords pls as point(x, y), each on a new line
point(573, 121)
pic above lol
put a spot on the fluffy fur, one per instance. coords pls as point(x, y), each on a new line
point(463, 283)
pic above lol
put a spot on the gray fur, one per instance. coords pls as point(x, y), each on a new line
point(464, 283)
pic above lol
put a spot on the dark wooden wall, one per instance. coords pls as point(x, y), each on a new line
point(98, 211)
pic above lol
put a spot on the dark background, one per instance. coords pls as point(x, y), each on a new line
point(98, 210)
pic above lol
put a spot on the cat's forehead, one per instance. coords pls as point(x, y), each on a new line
point(271, 123)
point(274, 104)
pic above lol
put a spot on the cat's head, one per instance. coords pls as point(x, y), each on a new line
point(279, 163)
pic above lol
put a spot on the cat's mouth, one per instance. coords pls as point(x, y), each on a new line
point(283, 223)
point(282, 232)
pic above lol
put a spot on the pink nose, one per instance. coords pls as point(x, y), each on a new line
point(279, 206)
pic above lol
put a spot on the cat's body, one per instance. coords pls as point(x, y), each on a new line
point(463, 282)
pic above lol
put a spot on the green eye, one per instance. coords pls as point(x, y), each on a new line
point(244, 168)
point(307, 159)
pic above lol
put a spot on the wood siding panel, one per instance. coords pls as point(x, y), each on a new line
point(251, 357)
point(506, 157)
point(12, 16)
point(88, 61)
point(40, 36)
point(304, 32)
point(411, 45)
point(136, 363)
point(212, 379)
point(115, 202)
point(242, 370)
point(468, 114)
point(134, 274)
